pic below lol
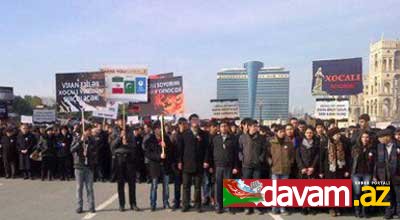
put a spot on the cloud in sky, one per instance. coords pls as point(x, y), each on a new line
point(191, 38)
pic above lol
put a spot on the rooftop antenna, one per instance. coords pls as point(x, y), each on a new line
point(382, 36)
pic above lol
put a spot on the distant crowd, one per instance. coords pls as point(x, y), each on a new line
point(201, 153)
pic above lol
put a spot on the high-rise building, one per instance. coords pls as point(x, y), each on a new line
point(263, 92)
point(381, 95)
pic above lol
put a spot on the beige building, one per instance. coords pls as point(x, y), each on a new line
point(381, 96)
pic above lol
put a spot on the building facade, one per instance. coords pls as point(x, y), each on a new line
point(263, 92)
point(381, 95)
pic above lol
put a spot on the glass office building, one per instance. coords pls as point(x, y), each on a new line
point(259, 89)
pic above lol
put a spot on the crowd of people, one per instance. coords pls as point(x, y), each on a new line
point(201, 154)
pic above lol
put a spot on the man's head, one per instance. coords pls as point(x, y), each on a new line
point(157, 128)
point(24, 129)
point(252, 127)
point(320, 127)
point(363, 121)
point(302, 126)
point(224, 127)
point(182, 124)
point(384, 136)
point(280, 131)
point(289, 129)
point(213, 129)
point(194, 120)
point(294, 122)
point(244, 125)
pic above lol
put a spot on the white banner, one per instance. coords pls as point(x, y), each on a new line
point(126, 85)
point(326, 109)
point(26, 119)
point(44, 116)
point(225, 108)
point(131, 120)
point(109, 112)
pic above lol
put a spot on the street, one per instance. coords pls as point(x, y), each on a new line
point(36, 200)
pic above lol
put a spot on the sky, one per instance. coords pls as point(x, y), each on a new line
point(192, 38)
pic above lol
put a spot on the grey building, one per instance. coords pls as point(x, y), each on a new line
point(257, 88)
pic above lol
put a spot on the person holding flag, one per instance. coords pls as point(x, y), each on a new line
point(158, 150)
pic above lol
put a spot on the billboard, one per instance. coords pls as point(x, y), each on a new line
point(225, 108)
point(337, 77)
point(126, 84)
point(6, 94)
point(80, 91)
point(330, 108)
point(165, 98)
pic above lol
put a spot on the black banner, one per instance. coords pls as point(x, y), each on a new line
point(80, 91)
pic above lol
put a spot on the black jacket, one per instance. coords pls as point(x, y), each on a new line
point(26, 142)
point(308, 156)
point(153, 152)
point(9, 147)
point(193, 151)
point(225, 152)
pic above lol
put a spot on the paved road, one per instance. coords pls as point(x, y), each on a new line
point(36, 200)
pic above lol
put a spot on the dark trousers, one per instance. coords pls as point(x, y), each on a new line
point(63, 165)
point(125, 172)
point(177, 189)
point(9, 167)
point(251, 173)
point(24, 162)
point(48, 165)
point(221, 173)
point(188, 179)
point(394, 198)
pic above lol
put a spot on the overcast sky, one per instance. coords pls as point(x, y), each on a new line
point(190, 38)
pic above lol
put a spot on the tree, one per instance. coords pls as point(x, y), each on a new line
point(21, 106)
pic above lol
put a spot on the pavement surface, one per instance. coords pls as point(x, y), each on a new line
point(37, 200)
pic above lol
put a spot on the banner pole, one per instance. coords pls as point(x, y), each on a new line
point(83, 120)
point(162, 133)
point(123, 117)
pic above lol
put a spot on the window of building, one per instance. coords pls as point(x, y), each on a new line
point(397, 60)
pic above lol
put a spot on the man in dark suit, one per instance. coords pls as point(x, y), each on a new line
point(192, 160)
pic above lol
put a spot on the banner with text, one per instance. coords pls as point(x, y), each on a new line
point(44, 116)
point(326, 109)
point(80, 91)
point(337, 77)
point(225, 108)
point(166, 97)
point(109, 112)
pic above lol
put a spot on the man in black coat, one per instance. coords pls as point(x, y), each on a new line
point(9, 148)
point(176, 138)
point(159, 152)
point(26, 141)
point(225, 158)
point(193, 159)
point(64, 141)
point(125, 153)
